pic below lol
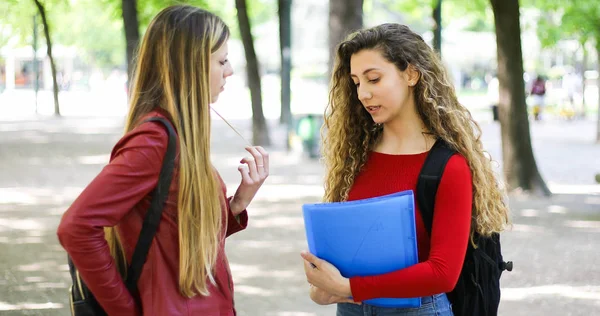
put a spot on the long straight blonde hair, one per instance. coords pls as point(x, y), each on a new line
point(172, 73)
point(350, 133)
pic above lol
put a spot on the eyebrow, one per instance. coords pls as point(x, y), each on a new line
point(365, 72)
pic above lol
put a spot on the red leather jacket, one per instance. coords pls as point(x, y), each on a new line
point(120, 195)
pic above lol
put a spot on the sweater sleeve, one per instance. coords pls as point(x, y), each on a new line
point(131, 174)
point(449, 238)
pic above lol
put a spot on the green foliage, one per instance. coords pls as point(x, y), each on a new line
point(87, 25)
point(569, 19)
point(476, 15)
point(17, 24)
point(96, 26)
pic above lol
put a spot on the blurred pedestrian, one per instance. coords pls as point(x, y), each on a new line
point(538, 92)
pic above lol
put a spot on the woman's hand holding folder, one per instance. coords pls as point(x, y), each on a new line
point(328, 282)
point(322, 297)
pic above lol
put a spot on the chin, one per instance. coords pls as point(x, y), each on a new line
point(379, 120)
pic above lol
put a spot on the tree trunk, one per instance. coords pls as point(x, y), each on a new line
point(520, 169)
point(260, 133)
point(285, 41)
point(584, 65)
point(132, 34)
point(598, 85)
point(345, 17)
point(437, 27)
point(42, 11)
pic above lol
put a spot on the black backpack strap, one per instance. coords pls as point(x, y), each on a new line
point(152, 219)
point(429, 179)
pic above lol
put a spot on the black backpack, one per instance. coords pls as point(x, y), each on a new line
point(83, 302)
point(477, 292)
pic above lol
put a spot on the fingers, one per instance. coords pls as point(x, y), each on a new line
point(351, 301)
point(252, 170)
point(244, 171)
point(307, 269)
point(265, 157)
point(312, 259)
point(261, 158)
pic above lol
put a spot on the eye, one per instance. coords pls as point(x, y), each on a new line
point(224, 62)
point(357, 84)
point(376, 80)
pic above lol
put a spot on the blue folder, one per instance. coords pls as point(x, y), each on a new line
point(366, 237)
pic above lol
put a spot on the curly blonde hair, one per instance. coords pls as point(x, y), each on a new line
point(349, 133)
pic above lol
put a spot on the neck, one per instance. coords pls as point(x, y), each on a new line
point(405, 134)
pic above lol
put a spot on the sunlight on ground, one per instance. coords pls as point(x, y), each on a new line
point(34, 196)
point(557, 209)
point(241, 272)
point(528, 228)
point(93, 160)
point(528, 212)
point(253, 290)
point(268, 245)
point(20, 224)
point(290, 223)
point(576, 292)
point(28, 306)
point(592, 226)
point(592, 200)
point(558, 188)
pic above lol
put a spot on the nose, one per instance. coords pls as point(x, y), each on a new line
point(228, 71)
point(363, 93)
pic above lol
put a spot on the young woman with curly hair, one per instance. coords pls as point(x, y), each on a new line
point(390, 101)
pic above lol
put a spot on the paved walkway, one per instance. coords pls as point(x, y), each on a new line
point(45, 163)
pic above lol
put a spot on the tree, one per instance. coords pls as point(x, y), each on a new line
point(520, 169)
point(437, 26)
point(139, 13)
point(42, 11)
point(345, 17)
point(260, 133)
point(285, 41)
point(132, 33)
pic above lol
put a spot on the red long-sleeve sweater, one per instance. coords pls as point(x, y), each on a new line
point(441, 256)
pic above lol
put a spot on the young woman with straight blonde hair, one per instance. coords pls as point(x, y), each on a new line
point(181, 69)
point(390, 101)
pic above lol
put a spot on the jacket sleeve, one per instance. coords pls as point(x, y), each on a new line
point(131, 174)
point(235, 224)
point(448, 244)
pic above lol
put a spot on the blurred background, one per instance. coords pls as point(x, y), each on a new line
point(64, 69)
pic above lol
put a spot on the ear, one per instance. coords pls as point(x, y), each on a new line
point(412, 75)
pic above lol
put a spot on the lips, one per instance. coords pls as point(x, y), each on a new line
point(373, 108)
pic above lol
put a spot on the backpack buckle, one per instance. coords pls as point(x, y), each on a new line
point(508, 266)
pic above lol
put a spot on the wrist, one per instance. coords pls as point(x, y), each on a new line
point(344, 289)
point(235, 207)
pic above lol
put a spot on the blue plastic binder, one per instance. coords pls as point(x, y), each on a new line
point(366, 237)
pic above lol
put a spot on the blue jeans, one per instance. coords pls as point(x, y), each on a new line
point(436, 305)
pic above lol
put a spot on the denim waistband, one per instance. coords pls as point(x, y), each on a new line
point(429, 299)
